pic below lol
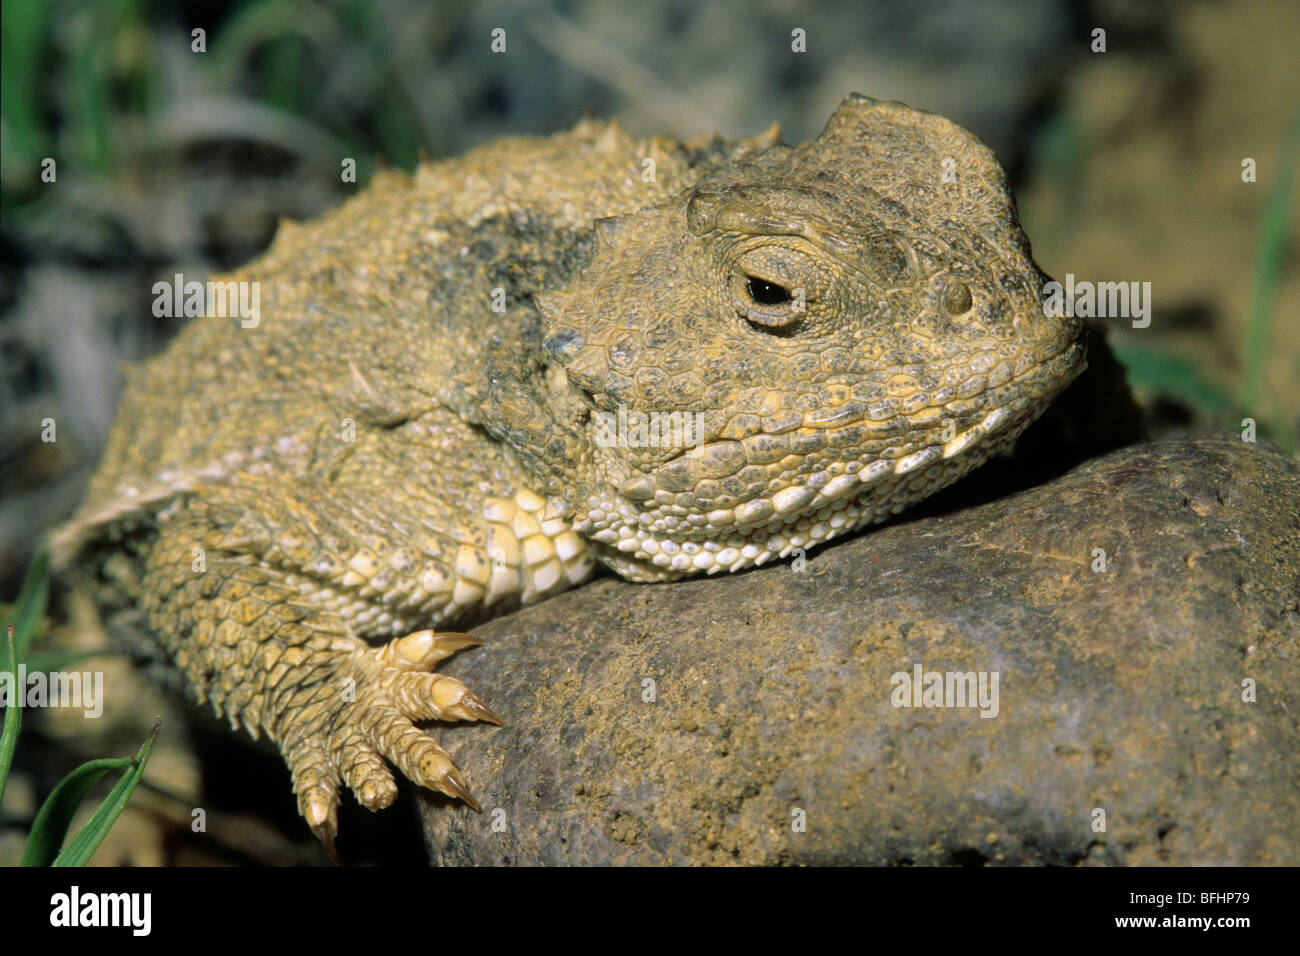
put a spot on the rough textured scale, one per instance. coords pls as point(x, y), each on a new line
point(415, 434)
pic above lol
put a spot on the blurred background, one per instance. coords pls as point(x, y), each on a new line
point(1127, 165)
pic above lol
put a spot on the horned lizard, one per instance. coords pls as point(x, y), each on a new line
point(415, 433)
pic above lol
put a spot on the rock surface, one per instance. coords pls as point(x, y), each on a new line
point(1119, 691)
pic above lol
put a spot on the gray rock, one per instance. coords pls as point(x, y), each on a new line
point(1118, 691)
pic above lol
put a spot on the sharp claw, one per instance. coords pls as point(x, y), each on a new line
point(454, 785)
point(453, 641)
point(325, 834)
point(319, 814)
point(477, 710)
point(426, 648)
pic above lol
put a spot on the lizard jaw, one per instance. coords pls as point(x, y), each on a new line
point(663, 535)
point(799, 516)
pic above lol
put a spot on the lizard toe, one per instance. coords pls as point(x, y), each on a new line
point(436, 697)
point(365, 771)
point(421, 650)
point(413, 752)
point(316, 782)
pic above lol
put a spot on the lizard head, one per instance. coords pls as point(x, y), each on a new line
point(805, 341)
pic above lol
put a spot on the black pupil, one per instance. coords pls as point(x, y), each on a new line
point(766, 293)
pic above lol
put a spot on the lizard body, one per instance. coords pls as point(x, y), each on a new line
point(413, 435)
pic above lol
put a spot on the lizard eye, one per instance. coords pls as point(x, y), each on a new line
point(764, 292)
point(768, 305)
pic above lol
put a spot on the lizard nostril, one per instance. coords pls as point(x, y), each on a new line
point(956, 298)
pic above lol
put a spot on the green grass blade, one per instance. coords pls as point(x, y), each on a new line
point(22, 61)
point(56, 813)
point(13, 713)
point(27, 614)
point(1268, 267)
point(89, 82)
point(257, 26)
point(83, 846)
point(30, 606)
point(1171, 375)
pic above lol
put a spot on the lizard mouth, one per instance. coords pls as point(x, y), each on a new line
point(815, 481)
point(988, 406)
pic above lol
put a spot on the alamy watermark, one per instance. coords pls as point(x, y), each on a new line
point(221, 300)
point(626, 429)
point(133, 911)
point(923, 688)
point(1102, 300)
point(55, 689)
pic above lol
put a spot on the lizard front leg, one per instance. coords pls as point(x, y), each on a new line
point(282, 655)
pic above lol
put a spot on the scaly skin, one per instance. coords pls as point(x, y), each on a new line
point(285, 512)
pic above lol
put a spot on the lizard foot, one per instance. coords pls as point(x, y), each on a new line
point(352, 736)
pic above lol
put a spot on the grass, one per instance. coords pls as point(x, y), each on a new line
point(79, 81)
point(1159, 372)
point(47, 843)
point(1268, 266)
point(1163, 373)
